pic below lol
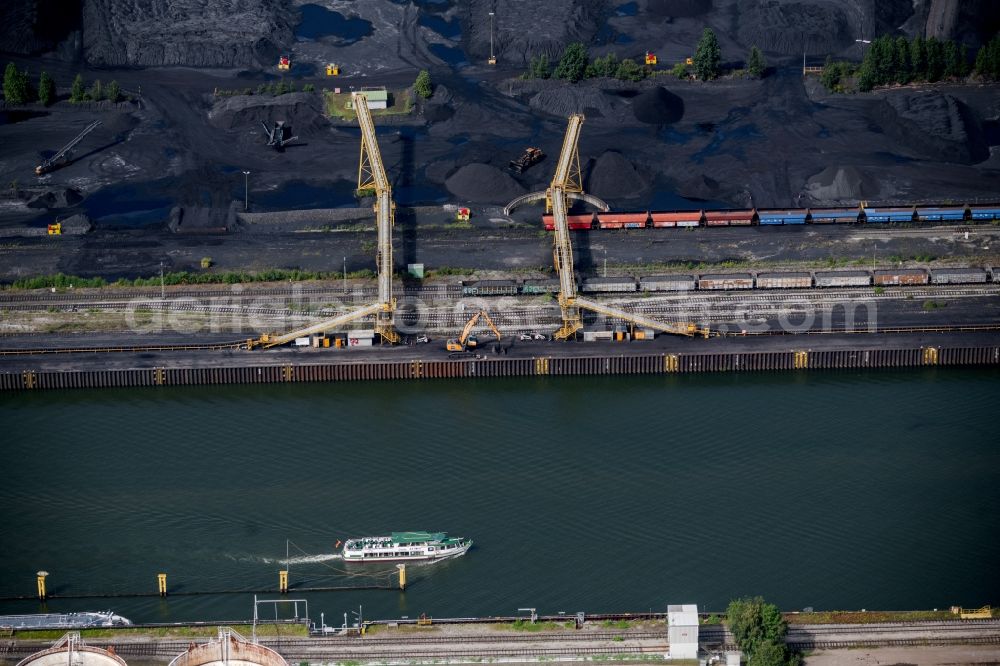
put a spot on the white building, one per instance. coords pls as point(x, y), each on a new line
point(682, 631)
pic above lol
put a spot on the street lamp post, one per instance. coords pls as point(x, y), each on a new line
point(246, 190)
point(345, 275)
point(493, 58)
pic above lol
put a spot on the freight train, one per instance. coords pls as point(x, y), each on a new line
point(740, 281)
point(771, 217)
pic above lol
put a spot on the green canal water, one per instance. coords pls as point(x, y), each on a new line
point(832, 490)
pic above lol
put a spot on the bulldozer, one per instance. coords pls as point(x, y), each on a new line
point(467, 342)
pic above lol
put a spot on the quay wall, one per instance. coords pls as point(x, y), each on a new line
point(271, 373)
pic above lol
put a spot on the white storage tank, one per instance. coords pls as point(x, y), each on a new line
point(71, 649)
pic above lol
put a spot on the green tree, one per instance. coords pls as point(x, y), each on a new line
point(603, 67)
point(769, 654)
point(707, 56)
point(76, 93)
point(15, 85)
point(113, 92)
point(46, 89)
point(540, 67)
point(918, 59)
point(993, 58)
point(422, 86)
point(880, 58)
point(754, 623)
point(866, 77)
point(96, 92)
point(952, 64)
point(935, 60)
point(963, 60)
point(630, 70)
point(756, 63)
point(680, 70)
point(904, 73)
point(573, 63)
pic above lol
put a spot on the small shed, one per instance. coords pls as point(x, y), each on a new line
point(377, 98)
point(682, 631)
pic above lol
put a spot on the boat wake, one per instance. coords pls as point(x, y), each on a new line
point(306, 559)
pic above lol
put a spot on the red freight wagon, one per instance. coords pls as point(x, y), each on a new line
point(622, 220)
point(690, 218)
point(575, 222)
point(725, 218)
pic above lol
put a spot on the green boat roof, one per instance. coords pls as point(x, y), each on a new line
point(416, 537)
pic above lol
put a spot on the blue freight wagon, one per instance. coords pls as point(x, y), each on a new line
point(834, 215)
point(953, 213)
point(889, 214)
point(985, 212)
point(782, 216)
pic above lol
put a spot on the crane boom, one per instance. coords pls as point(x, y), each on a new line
point(562, 252)
point(371, 174)
point(567, 178)
point(49, 163)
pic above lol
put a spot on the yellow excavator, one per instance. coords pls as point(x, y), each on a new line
point(465, 341)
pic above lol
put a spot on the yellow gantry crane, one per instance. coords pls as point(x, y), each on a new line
point(568, 179)
point(371, 175)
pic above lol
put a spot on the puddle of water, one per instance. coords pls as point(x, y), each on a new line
point(298, 194)
point(669, 135)
point(453, 56)
point(734, 137)
point(11, 117)
point(318, 21)
point(447, 29)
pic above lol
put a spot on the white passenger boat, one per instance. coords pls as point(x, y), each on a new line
point(405, 547)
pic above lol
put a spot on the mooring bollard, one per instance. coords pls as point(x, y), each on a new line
point(161, 580)
point(283, 582)
point(41, 585)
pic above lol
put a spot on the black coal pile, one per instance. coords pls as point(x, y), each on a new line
point(679, 8)
point(935, 125)
point(842, 183)
point(700, 187)
point(35, 26)
point(195, 33)
point(613, 177)
point(62, 197)
point(791, 27)
point(658, 106)
point(482, 183)
point(301, 112)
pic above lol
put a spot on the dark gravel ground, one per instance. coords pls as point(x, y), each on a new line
point(777, 142)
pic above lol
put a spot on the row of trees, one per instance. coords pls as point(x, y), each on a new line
point(97, 91)
point(901, 61)
point(575, 64)
point(988, 60)
point(18, 89)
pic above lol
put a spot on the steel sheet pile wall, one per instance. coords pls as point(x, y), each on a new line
point(505, 367)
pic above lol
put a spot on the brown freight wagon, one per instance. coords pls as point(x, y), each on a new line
point(902, 276)
point(784, 280)
point(732, 281)
point(725, 218)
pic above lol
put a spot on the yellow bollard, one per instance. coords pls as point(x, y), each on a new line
point(402, 576)
point(161, 580)
point(41, 585)
point(283, 582)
